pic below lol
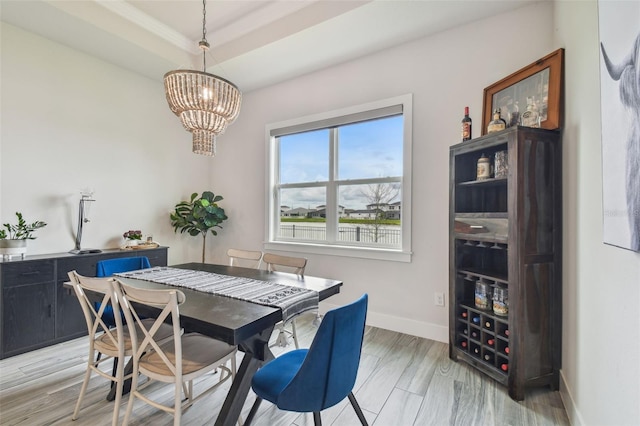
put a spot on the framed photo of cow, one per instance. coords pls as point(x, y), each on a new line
point(539, 83)
point(619, 48)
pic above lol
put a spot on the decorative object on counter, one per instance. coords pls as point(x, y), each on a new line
point(498, 123)
point(466, 125)
point(13, 239)
point(531, 117)
point(205, 103)
point(501, 164)
point(198, 216)
point(84, 208)
point(132, 238)
point(483, 168)
point(542, 79)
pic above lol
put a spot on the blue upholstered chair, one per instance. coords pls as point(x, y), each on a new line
point(106, 268)
point(311, 380)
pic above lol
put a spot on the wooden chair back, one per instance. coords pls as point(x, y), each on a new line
point(246, 258)
point(298, 264)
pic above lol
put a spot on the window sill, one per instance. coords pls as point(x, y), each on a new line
point(343, 251)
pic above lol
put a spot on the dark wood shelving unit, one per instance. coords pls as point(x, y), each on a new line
point(507, 233)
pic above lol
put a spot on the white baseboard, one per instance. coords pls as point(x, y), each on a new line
point(575, 418)
point(402, 325)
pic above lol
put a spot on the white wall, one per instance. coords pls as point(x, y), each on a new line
point(445, 73)
point(601, 325)
point(71, 121)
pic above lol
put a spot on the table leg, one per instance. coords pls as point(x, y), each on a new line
point(256, 352)
point(126, 386)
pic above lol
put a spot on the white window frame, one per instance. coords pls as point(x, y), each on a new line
point(272, 205)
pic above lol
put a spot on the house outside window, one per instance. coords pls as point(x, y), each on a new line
point(340, 182)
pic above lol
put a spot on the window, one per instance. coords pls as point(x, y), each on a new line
point(340, 183)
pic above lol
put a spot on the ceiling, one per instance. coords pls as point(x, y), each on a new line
point(254, 43)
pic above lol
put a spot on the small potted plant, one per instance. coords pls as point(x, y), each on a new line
point(132, 238)
point(13, 238)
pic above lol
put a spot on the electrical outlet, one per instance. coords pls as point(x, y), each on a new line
point(438, 299)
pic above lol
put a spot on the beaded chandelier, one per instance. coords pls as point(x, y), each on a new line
point(205, 103)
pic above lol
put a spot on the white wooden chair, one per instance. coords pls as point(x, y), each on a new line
point(179, 361)
point(112, 342)
point(297, 266)
point(246, 258)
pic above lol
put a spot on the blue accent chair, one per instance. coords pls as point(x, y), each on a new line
point(106, 268)
point(311, 380)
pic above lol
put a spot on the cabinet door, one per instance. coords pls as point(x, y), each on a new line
point(70, 322)
point(27, 316)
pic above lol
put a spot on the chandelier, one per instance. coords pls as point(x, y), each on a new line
point(205, 103)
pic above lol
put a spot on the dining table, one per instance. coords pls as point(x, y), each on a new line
point(240, 323)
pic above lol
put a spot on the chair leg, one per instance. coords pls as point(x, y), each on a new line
point(119, 375)
point(83, 389)
point(357, 409)
point(254, 410)
point(317, 421)
point(294, 333)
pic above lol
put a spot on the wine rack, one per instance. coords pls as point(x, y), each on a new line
point(505, 233)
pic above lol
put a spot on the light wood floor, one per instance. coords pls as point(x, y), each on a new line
point(403, 380)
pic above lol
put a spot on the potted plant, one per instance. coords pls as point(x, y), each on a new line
point(198, 216)
point(13, 239)
point(132, 238)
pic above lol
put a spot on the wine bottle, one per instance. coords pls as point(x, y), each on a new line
point(497, 123)
point(474, 334)
point(506, 349)
point(463, 343)
point(488, 324)
point(488, 357)
point(491, 342)
point(464, 314)
point(466, 125)
point(476, 319)
point(504, 367)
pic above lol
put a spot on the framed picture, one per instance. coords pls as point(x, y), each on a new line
point(619, 33)
point(540, 84)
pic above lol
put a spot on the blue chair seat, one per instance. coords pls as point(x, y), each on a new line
point(270, 382)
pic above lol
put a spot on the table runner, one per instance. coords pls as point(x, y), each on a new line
point(291, 300)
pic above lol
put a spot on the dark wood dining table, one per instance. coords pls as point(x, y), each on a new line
point(239, 323)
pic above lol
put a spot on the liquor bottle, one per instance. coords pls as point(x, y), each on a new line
point(531, 118)
point(466, 125)
point(497, 123)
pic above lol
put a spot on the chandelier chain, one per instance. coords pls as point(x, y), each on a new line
point(204, 36)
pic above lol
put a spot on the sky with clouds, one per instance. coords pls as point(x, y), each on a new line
point(369, 149)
